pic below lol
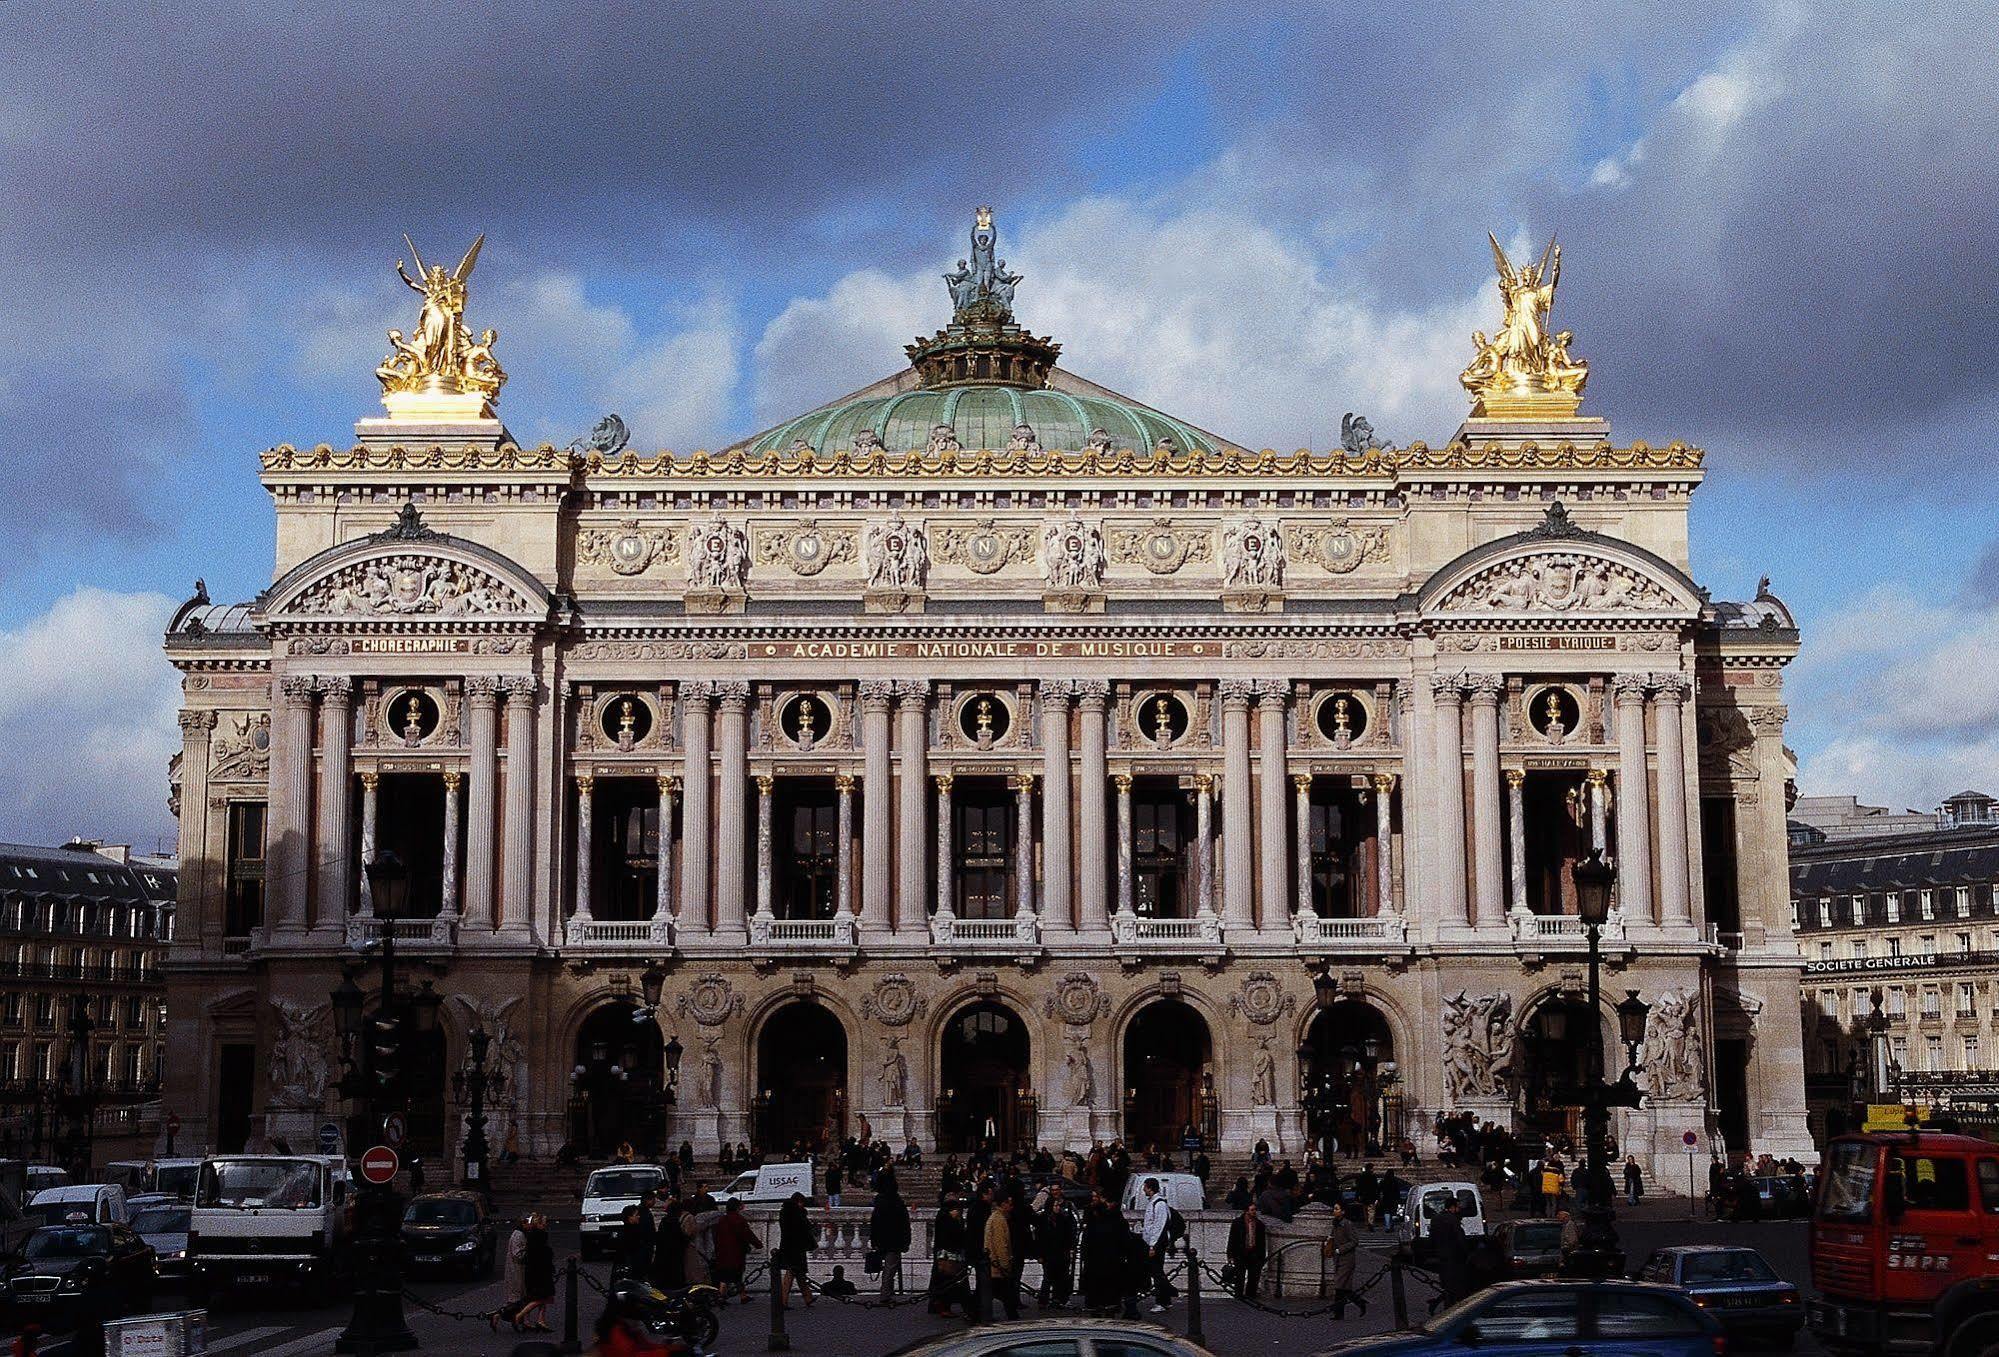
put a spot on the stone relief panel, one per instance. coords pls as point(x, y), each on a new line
point(711, 1002)
point(985, 547)
point(1478, 1045)
point(1675, 1066)
point(410, 585)
point(1072, 555)
point(1331, 648)
point(896, 555)
point(1557, 582)
point(1078, 999)
point(1340, 546)
point(241, 748)
point(1262, 999)
point(894, 1001)
point(806, 547)
point(629, 549)
point(1161, 546)
point(300, 1068)
point(1252, 555)
point(718, 555)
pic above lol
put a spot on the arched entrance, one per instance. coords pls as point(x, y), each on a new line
point(1349, 1070)
point(1169, 1086)
point(985, 1098)
point(1554, 1063)
point(801, 1095)
point(616, 1083)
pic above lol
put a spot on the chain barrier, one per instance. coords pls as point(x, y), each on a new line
point(434, 1308)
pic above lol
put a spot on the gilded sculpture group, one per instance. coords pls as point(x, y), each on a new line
point(440, 355)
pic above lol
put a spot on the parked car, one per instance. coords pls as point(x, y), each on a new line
point(172, 1177)
point(1426, 1201)
point(1049, 1337)
point(163, 1224)
point(80, 1204)
point(449, 1230)
point(73, 1274)
point(1553, 1319)
point(606, 1194)
point(1530, 1248)
point(1737, 1285)
point(43, 1176)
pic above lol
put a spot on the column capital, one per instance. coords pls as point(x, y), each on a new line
point(1671, 687)
point(298, 689)
point(912, 692)
point(1204, 783)
point(1384, 783)
point(943, 781)
point(586, 783)
point(1272, 692)
point(1057, 691)
point(1093, 694)
point(520, 689)
point(668, 784)
point(372, 779)
point(733, 694)
point(197, 720)
point(695, 690)
point(765, 782)
point(843, 783)
point(1596, 777)
point(1484, 687)
point(482, 689)
point(876, 694)
point(1630, 687)
point(1448, 687)
point(1516, 778)
point(335, 687)
point(452, 777)
point(1023, 782)
point(1236, 693)
point(1302, 781)
point(1122, 781)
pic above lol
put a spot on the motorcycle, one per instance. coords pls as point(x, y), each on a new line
point(690, 1315)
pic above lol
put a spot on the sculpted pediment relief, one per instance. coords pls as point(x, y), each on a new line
point(1559, 582)
point(411, 583)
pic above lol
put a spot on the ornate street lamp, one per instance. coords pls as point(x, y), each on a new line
point(1598, 1253)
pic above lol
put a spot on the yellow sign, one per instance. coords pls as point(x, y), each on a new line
point(1889, 1117)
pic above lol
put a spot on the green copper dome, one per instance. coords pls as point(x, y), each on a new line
point(984, 417)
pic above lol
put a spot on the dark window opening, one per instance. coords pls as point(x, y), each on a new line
point(808, 848)
point(243, 895)
point(984, 842)
point(1162, 841)
point(1718, 865)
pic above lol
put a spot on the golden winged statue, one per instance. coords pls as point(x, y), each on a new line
point(440, 370)
point(1524, 371)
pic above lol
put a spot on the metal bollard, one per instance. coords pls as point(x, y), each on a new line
point(1194, 1331)
point(569, 1341)
point(779, 1340)
point(1400, 1296)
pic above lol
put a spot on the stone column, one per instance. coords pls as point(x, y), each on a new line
point(1238, 877)
point(843, 859)
point(482, 775)
point(1447, 735)
point(1124, 882)
point(1416, 711)
point(1598, 811)
point(1023, 844)
point(1204, 844)
point(732, 804)
point(1303, 783)
point(1516, 837)
point(1275, 904)
point(1634, 830)
point(452, 779)
point(1488, 827)
point(1057, 906)
point(290, 812)
point(586, 787)
point(912, 740)
point(662, 909)
point(945, 877)
point(336, 764)
point(697, 793)
point(371, 785)
point(877, 808)
point(766, 863)
point(202, 925)
point(1384, 845)
point(1675, 858)
point(1093, 899)
point(517, 861)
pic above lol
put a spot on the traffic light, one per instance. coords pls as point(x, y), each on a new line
point(385, 1054)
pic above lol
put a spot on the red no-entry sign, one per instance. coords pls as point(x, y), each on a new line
point(379, 1165)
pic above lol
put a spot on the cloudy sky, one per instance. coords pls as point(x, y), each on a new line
point(1780, 227)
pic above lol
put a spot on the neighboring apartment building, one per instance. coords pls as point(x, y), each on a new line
point(1912, 914)
point(88, 920)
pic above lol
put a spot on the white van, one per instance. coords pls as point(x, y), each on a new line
point(260, 1219)
point(768, 1183)
point(174, 1177)
point(606, 1194)
point(1183, 1191)
point(81, 1203)
point(1426, 1202)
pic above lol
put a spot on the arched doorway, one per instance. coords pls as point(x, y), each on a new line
point(615, 1085)
point(1169, 1078)
point(1349, 1071)
point(1555, 1046)
point(985, 1097)
point(801, 1080)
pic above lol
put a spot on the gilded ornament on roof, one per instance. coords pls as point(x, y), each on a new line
point(1524, 370)
point(441, 371)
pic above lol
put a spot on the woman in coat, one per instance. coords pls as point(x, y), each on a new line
point(1106, 1247)
point(538, 1275)
point(514, 1283)
point(795, 1241)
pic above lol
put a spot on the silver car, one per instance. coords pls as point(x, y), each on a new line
point(164, 1224)
point(1059, 1338)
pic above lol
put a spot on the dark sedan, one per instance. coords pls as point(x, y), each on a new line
point(1530, 1248)
point(1736, 1286)
point(450, 1231)
point(71, 1274)
point(1556, 1319)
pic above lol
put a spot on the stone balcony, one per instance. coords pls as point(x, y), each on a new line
point(1550, 933)
point(773, 937)
point(619, 935)
point(438, 934)
point(985, 937)
point(1382, 933)
point(1136, 935)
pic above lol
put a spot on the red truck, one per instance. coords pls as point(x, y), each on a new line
point(1905, 1246)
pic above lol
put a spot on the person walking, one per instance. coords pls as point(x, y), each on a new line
point(1055, 1244)
point(1342, 1246)
point(513, 1282)
point(1106, 1242)
point(635, 1241)
point(1153, 1231)
point(835, 1180)
point(1000, 1261)
point(734, 1242)
point(888, 1231)
point(1247, 1249)
point(796, 1239)
point(950, 1254)
point(538, 1276)
point(1634, 1180)
point(1453, 1252)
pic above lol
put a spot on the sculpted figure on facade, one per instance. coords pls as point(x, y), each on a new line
point(1674, 1067)
point(896, 556)
point(943, 440)
point(1263, 1076)
point(894, 1075)
point(1252, 555)
point(1561, 582)
point(1478, 1045)
point(710, 1092)
point(410, 585)
point(1079, 1080)
point(1023, 439)
point(1072, 555)
point(300, 1070)
point(440, 355)
point(718, 555)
